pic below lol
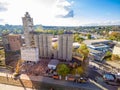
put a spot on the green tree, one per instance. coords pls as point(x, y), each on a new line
point(63, 69)
point(79, 70)
point(2, 57)
point(115, 57)
point(107, 55)
point(60, 32)
point(55, 45)
point(5, 31)
point(77, 38)
point(84, 52)
point(89, 36)
point(115, 36)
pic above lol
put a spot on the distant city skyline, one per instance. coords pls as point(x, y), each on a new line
point(61, 12)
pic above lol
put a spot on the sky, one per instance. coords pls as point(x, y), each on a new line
point(61, 12)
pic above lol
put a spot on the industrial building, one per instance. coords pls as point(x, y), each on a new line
point(28, 28)
point(116, 49)
point(30, 54)
point(12, 42)
point(43, 41)
point(97, 41)
point(65, 42)
point(15, 42)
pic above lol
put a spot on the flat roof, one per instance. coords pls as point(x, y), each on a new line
point(94, 51)
point(76, 44)
point(53, 62)
point(98, 46)
point(95, 41)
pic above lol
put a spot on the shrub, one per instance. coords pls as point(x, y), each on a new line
point(115, 57)
point(63, 70)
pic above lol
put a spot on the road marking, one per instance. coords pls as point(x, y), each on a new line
point(97, 84)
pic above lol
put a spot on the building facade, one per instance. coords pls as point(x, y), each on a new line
point(116, 50)
point(30, 54)
point(44, 42)
point(65, 42)
point(12, 42)
point(28, 28)
point(5, 41)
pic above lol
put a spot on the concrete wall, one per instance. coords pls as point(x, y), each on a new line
point(15, 42)
point(29, 54)
point(28, 27)
point(64, 47)
point(45, 45)
point(116, 50)
point(60, 45)
point(40, 85)
point(69, 47)
point(65, 42)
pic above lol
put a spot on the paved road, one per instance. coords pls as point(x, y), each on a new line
point(93, 74)
point(87, 85)
point(10, 87)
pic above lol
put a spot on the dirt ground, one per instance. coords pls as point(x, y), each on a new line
point(32, 68)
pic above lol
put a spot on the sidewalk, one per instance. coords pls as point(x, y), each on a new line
point(10, 87)
point(47, 80)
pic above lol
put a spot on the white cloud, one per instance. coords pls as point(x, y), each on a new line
point(63, 9)
point(3, 6)
point(107, 22)
point(43, 12)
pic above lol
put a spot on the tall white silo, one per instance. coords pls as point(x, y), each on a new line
point(64, 46)
point(36, 40)
point(41, 52)
point(60, 45)
point(45, 48)
point(55, 52)
point(69, 47)
point(27, 27)
point(49, 44)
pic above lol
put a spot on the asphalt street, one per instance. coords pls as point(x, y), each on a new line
point(93, 74)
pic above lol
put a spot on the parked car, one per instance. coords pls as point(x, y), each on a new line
point(82, 80)
point(108, 77)
point(71, 79)
point(55, 77)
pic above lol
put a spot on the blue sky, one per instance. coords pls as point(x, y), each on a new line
point(61, 12)
point(97, 9)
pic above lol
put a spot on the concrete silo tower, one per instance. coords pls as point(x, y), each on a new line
point(65, 42)
point(28, 27)
point(60, 47)
point(69, 47)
